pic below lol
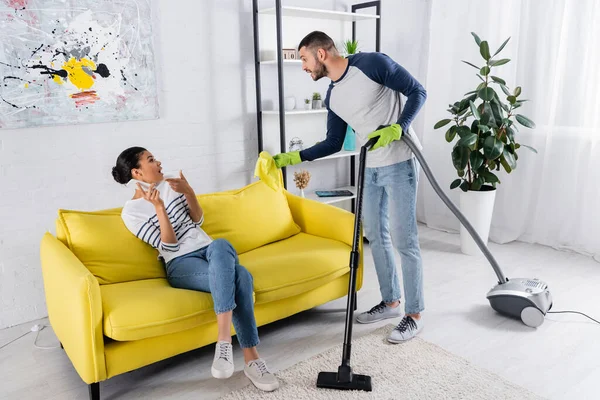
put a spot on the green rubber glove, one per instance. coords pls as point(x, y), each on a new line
point(386, 135)
point(285, 159)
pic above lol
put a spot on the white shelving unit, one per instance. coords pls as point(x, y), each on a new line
point(280, 11)
point(297, 112)
point(331, 200)
point(301, 12)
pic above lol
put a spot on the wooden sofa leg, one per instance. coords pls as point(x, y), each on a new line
point(94, 391)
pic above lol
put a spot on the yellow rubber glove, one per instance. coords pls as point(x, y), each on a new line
point(285, 159)
point(267, 171)
point(386, 135)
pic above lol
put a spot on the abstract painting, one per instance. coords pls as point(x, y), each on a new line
point(76, 61)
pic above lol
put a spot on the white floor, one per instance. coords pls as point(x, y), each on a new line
point(559, 360)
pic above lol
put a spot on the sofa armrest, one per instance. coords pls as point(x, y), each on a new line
point(74, 308)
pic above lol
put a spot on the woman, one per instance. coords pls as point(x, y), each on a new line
point(165, 213)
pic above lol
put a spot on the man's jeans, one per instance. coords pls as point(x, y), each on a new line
point(390, 221)
point(215, 269)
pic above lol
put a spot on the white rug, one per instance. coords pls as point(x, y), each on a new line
point(413, 370)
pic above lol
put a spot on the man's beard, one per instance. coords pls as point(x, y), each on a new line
point(320, 71)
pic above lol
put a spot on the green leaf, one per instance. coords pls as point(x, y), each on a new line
point(485, 119)
point(530, 148)
point(482, 80)
point(517, 91)
point(451, 133)
point(477, 40)
point(461, 173)
point(498, 80)
point(496, 63)
point(455, 183)
point(476, 159)
point(474, 110)
point(472, 65)
point(505, 90)
point(467, 140)
point(469, 93)
point(478, 183)
point(490, 177)
point(486, 94)
point(510, 158)
point(492, 148)
point(484, 49)
point(510, 132)
point(496, 111)
point(526, 122)
point(484, 128)
point(511, 99)
point(484, 71)
point(501, 47)
point(441, 123)
point(505, 164)
point(463, 131)
point(505, 107)
point(464, 186)
point(460, 157)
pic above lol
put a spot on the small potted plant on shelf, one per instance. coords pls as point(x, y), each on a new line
point(301, 179)
point(486, 133)
point(316, 101)
point(307, 104)
point(350, 47)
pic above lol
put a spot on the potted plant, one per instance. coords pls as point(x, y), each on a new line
point(484, 131)
point(316, 100)
point(350, 47)
point(307, 104)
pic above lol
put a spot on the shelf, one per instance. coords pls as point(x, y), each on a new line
point(297, 112)
point(340, 154)
point(274, 62)
point(321, 14)
point(330, 200)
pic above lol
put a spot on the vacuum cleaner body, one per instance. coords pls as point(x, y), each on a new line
point(526, 299)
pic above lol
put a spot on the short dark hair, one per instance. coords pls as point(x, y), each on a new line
point(127, 160)
point(316, 40)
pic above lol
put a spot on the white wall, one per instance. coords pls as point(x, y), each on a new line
point(207, 127)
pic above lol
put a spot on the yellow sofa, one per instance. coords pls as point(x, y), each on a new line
point(113, 310)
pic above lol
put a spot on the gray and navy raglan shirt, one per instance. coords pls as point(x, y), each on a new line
point(367, 96)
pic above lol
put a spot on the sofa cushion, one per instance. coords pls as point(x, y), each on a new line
point(148, 308)
point(249, 217)
point(295, 265)
point(102, 242)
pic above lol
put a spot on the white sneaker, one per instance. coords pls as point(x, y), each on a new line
point(222, 366)
point(407, 329)
point(258, 372)
point(378, 313)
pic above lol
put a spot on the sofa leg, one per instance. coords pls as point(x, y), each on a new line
point(94, 389)
point(61, 346)
point(355, 301)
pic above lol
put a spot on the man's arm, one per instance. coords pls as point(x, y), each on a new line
point(385, 71)
point(336, 132)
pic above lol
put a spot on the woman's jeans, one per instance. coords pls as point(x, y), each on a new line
point(390, 221)
point(215, 269)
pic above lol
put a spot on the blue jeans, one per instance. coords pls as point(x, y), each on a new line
point(390, 221)
point(215, 269)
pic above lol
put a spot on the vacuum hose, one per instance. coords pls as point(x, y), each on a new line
point(454, 209)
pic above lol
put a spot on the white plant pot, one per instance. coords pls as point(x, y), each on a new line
point(477, 207)
point(308, 106)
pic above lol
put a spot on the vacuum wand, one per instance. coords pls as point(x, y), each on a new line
point(409, 142)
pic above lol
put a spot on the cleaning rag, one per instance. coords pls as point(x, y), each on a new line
point(267, 171)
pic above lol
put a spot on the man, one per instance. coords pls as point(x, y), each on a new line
point(365, 93)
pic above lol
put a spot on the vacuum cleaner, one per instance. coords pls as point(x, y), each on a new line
point(522, 298)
